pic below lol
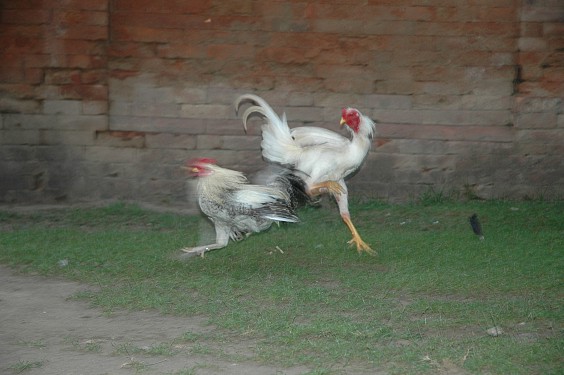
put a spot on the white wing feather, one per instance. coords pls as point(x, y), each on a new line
point(256, 196)
point(306, 136)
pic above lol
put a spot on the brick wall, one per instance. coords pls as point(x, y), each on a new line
point(107, 99)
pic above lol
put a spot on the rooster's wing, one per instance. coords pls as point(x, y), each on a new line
point(309, 136)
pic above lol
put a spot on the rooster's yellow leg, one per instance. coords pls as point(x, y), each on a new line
point(356, 240)
point(332, 187)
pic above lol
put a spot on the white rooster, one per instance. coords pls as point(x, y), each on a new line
point(325, 158)
point(238, 208)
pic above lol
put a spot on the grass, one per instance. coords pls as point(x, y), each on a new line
point(90, 345)
point(23, 366)
point(422, 305)
point(34, 344)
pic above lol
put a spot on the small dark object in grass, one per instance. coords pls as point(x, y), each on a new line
point(476, 226)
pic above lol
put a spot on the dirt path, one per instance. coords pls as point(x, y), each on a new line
point(41, 328)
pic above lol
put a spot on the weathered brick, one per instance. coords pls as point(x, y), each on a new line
point(483, 102)
point(396, 87)
point(155, 109)
point(65, 107)
point(68, 17)
point(33, 76)
point(547, 137)
point(230, 51)
point(86, 61)
point(99, 5)
point(156, 20)
point(62, 76)
point(19, 105)
point(86, 92)
point(12, 74)
point(93, 107)
point(461, 133)
point(158, 124)
point(358, 85)
point(84, 32)
point(532, 104)
point(541, 13)
point(532, 44)
point(221, 95)
point(19, 137)
point(536, 120)
point(17, 153)
point(286, 83)
point(126, 139)
point(94, 76)
point(348, 26)
point(531, 29)
point(168, 140)
point(340, 71)
point(438, 102)
point(205, 111)
point(244, 142)
point(555, 29)
point(52, 121)
point(27, 16)
point(128, 49)
point(109, 154)
point(444, 117)
point(67, 137)
point(174, 6)
point(388, 101)
point(182, 51)
point(146, 34)
point(337, 100)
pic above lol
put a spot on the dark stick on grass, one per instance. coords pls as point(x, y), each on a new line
point(476, 226)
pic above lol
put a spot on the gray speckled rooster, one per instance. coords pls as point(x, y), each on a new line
point(238, 208)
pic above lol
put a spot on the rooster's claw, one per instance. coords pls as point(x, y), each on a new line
point(193, 251)
point(332, 187)
point(362, 246)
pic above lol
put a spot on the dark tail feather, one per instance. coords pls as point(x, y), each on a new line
point(296, 189)
point(288, 181)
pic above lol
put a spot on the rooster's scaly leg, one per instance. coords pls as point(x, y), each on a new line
point(342, 201)
point(356, 240)
point(221, 240)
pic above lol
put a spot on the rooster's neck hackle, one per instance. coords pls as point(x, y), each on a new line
point(215, 185)
point(366, 127)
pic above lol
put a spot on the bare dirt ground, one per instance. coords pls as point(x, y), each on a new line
point(44, 332)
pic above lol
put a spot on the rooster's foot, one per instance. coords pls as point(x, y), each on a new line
point(361, 246)
point(332, 187)
point(193, 251)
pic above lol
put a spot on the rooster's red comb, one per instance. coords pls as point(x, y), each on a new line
point(202, 161)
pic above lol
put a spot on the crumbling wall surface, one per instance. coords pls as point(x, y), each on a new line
point(108, 98)
point(54, 97)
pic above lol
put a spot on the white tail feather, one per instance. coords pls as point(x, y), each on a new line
point(286, 219)
point(277, 143)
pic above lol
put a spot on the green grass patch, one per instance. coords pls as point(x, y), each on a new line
point(422, 305)
point(22, 366)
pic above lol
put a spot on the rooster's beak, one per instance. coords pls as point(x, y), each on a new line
point(343, 121)
point(191, 170)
